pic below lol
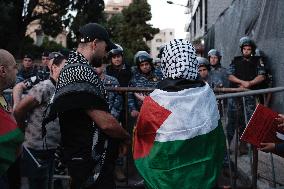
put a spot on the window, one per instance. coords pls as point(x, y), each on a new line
point(171, 33)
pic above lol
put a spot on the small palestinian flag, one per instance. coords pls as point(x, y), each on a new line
point(179, 141)
point(10, 139)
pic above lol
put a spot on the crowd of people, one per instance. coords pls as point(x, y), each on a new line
point(62, 114)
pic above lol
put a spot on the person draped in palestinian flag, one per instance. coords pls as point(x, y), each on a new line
point(10, 135)
point(179, 141)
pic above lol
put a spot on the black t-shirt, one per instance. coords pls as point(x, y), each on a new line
point(77, 131)
point(79, 89)
point(76, 127)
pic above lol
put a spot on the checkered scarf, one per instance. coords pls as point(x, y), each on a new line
point(78, 77)
point(178, 60)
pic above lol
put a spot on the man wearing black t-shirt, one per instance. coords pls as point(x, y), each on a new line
point(90, 134)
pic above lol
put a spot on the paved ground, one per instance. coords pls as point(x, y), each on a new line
point(268, 176)
point(265, 170)
point(243, 177)
point(265, 175)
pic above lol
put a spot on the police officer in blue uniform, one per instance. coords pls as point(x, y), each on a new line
point(246, 72)
point(203, 68)
point(218, 76)
point(144, 77)
point(117, 67)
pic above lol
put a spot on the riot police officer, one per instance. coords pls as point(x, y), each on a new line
point(218, 76)
point(247, 72)
point(203, 68)
point(144, 77)
point(118, 68)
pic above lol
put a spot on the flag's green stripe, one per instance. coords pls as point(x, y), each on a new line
point(15, 135)
point(8, 145)
point(192, 163)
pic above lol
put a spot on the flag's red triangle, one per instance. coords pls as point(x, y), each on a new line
point(150, 119)
point(7, 124)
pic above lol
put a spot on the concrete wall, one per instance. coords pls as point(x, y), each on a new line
point(214, 9)
point(262, 20)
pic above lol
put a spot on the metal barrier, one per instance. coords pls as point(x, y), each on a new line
point(254, 158)
point(229, 93)
point(232, 93)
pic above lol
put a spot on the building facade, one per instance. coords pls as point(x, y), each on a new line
point(203, 14)
point(35, 31)
point(115, 6)
point(164, 36)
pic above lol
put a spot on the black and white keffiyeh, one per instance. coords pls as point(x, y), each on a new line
point(78, 76)
point(78, 85)
point(178, 60)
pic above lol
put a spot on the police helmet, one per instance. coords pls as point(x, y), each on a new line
point(161, 48)
point(259, 52)
point(214, 52)
point(118, 50)
point(246, 41)
point(142, 56)
point(157, 61)
point(203, 62)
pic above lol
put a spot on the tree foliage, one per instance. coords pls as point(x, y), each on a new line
point(93, 12)
point(54, 15)
point(130, 28)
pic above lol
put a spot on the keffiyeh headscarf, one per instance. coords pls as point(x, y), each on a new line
point(178, 60)
point(79, 87)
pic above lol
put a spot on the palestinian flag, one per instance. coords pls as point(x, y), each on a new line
point(10, 139)
point(179, 140)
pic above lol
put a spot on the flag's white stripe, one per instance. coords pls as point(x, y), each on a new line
point(194, 113)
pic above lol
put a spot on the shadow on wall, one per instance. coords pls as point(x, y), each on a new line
point(262, 21)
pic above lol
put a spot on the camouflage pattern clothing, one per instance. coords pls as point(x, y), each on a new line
point(41, 148)
point(245, 70)
point(33, 133)
point(114, 99)
point(141, 80)
point(26, 74)
point(236, 114)
point(43, 73)
point(123, 75)
point(158, 72)
point(34, 76)
point(218, 77)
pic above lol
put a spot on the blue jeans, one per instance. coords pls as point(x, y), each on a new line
point(39, 177)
